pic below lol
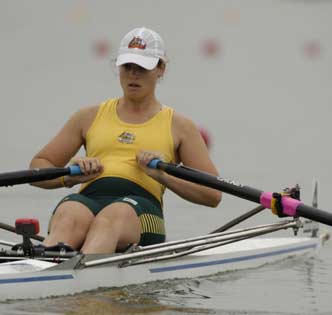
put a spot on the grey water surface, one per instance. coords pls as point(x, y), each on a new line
point(263, 93)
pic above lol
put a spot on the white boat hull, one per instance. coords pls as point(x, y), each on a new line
point(28, 279)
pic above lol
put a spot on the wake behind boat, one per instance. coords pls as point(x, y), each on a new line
point(28, 271)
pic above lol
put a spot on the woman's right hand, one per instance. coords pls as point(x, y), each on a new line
point(90, 168)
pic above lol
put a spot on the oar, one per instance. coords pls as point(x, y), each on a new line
point(12, 229)
point(36, 175)
point(291, 207)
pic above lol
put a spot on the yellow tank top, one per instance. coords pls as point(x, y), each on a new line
point(116, 143)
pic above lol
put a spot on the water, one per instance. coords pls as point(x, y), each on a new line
point(265, 98)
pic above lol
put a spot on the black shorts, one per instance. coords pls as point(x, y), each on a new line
point(108, 190)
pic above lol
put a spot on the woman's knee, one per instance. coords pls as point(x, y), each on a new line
point(123, 218)
point(71, 213)
point(120, 213)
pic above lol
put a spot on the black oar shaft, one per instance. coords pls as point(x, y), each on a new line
point(198, 177)
point(29, 176)
point(36, 175)
point(244, 192)
point(314, 214)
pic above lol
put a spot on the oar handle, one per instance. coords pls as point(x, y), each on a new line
point(74, 170)
point(154, 163)
point(291, 207)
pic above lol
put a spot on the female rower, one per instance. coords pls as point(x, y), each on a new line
point(120, 201)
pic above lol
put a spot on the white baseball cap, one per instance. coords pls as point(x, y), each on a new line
point(141, 46)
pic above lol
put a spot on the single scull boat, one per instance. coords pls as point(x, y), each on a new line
point(26, 273)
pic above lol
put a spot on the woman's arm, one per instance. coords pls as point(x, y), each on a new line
point(192, 152)
point(62, 148)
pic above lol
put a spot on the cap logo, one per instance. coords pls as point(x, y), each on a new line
point(137, 42)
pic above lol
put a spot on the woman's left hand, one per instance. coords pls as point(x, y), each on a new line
point(143, 158)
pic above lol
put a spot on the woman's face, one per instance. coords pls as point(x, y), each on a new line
point(138, 82)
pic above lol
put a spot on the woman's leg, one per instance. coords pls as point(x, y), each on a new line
point(69, 224)
point(115, 227)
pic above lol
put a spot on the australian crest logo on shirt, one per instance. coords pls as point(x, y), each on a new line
point(137, 42)
point(126, 137)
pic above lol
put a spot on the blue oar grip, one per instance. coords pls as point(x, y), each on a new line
point(74, 170)
point(154, 163)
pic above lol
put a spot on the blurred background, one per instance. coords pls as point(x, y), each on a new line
point(255, 76)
